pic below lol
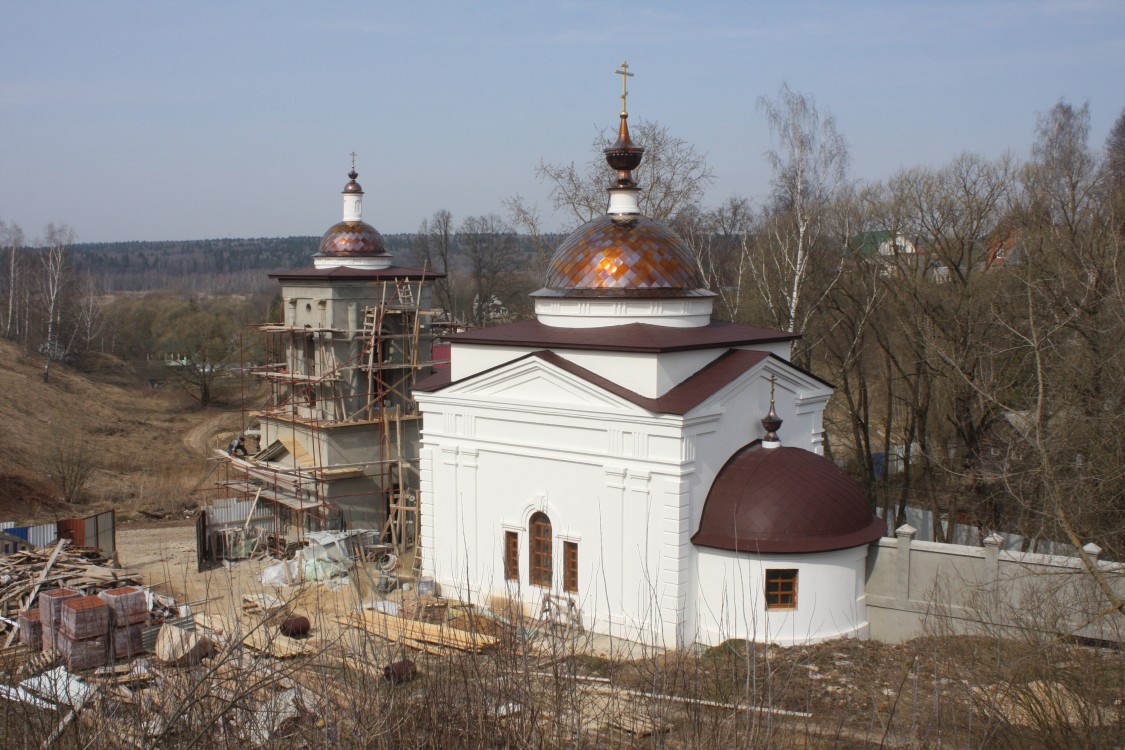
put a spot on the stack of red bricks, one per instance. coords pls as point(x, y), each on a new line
point(129, 610)
point(84, 633)
point(50, 614)
point(31, 627)
point(90, 631)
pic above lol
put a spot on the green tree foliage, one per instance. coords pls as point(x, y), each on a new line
point(200, 345)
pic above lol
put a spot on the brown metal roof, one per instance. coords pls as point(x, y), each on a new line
point(680, 400)
point(631, 337)
point(347, 272)
point(785, 500)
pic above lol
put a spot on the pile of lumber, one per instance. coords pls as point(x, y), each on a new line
point(24, 574)
point(420, 636)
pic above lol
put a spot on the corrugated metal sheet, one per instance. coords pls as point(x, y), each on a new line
point(150, 633)
point(234, 511)
point(43, 534)
point(6, 525)
point(107, 532)
point(36, 536)
point(73, 529)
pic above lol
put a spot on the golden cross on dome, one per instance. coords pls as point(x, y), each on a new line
point(353, 155)
point(625, 76)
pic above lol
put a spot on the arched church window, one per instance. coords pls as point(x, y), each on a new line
point(539, 532)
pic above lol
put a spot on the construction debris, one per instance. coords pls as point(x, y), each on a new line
point(27, 574)
point(176, 645)
point(262, 604)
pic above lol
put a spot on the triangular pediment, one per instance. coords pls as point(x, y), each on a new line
point(532, 380)
point(791, 380)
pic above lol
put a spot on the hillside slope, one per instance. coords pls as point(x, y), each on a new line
point(130, 434)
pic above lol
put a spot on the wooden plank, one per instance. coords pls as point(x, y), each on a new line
point(35, 589)
point(46, 569)
point(394, 636)
point(462, 640)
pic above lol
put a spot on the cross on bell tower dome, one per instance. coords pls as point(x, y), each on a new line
point(352, 242)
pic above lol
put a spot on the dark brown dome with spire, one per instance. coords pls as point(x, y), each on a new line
point(353, 186)
point(785, 500)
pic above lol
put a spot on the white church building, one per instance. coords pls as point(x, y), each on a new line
point(621, 456)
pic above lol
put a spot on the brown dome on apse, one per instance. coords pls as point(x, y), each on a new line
point(785, 500)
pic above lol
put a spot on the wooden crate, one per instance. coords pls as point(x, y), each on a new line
point(50, 605)
point(127, 605)
point(84, 617)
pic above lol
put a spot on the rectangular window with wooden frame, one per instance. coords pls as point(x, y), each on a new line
point(570, 567)
point(781, 589)
point(511, 556)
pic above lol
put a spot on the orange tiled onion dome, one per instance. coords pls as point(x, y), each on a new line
point(623, 255)
point(352, 237)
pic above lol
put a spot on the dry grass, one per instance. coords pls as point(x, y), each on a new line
point(133, 436)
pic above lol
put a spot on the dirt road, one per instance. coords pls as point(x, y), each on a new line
point(213, 432)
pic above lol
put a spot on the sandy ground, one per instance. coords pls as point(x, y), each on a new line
point(166, 557)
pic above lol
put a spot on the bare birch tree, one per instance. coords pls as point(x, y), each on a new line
point(88, 312)
point(54, 273)
point(797, 266)
point(672, 175)
point(720, 240)
point(526, 217)
point(11, 239)
point(434, 247)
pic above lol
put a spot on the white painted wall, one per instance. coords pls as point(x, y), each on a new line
point(562, 312)
point(605, 477)
point(628, 486)
point(731, 600)
point(467, 360)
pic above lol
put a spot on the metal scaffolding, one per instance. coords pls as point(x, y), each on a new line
point(312, 392)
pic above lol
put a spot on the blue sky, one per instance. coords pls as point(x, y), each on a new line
point(189, 120)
